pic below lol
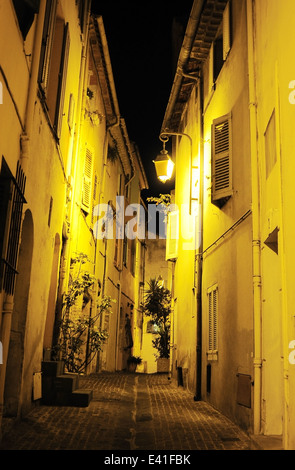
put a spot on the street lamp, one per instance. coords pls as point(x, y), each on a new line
point(164, 166)
point(163, 163)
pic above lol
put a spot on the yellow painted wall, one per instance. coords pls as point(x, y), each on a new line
point(275, 71)
point(228, 263)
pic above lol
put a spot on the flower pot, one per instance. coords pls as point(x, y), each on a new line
point(131, 366)
point(162, 365)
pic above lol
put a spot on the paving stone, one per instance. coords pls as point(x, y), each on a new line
point(127, 412)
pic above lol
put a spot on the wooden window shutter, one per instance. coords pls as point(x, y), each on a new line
point(211, 68)
point(47, 41)
point(226, 31)
point(172, 235)
point(87, 180)
point(62, 77)
point(221, 158)
point(212, 319)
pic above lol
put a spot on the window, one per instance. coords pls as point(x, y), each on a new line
point(226, 31)
point(54, 63)
point(220, 48)
point(25, 11)
point(87, 180)
point(94, 197)
point(270, 145)
point(172, 235)
point(11, 205)
point(212, 320)
point(125, 250)
point(221, 160)
point(133, 256)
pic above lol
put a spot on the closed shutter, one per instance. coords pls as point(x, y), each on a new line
point(221, 158)
point(94, 197)
point(211, 68)
point(212, 319)
point(172, 235)
point(87, 180)
point(47, 42)
point(62, 77)
point(226, 31)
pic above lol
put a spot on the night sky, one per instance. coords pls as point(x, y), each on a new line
point(143, 58)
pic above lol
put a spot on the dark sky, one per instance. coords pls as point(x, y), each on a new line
point(139, 37)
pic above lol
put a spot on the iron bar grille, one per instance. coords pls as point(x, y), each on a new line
point(9, 262)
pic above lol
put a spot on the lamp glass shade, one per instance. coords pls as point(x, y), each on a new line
point(164, 166)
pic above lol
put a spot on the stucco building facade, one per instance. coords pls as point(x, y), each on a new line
point(65, 154)
point(229, 116)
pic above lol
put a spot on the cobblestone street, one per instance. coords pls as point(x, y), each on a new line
point(128, 412)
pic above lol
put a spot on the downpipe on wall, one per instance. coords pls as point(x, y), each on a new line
point(256, 242)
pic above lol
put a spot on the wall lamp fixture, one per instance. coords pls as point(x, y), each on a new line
point(164, 165)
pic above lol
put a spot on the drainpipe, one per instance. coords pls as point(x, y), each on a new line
point(256, 242)
point(118, 325)
point(199, 254)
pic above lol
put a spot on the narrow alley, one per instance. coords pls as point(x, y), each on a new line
point(128, 412)
point(147, 166)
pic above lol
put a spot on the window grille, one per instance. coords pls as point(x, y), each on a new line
point(12, 200)
point(212, 319)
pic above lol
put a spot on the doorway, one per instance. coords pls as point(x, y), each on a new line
point(13, 379)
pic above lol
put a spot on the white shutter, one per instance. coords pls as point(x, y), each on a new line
point(87, 180)
point(221, 158)
point(226, 31)
point(172, 235)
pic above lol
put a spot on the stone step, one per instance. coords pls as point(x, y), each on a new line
point(81, 397)
point(67, 382)
point(52, 368)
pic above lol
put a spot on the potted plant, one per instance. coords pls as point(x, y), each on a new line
point(132, 363)
point(158, 307)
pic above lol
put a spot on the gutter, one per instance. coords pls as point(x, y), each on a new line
point(184, 55)
point(108, 64)
point(109, 70)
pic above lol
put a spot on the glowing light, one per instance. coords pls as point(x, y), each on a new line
point(164, 166)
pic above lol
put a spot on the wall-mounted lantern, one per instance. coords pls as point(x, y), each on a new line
point(163, 163)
